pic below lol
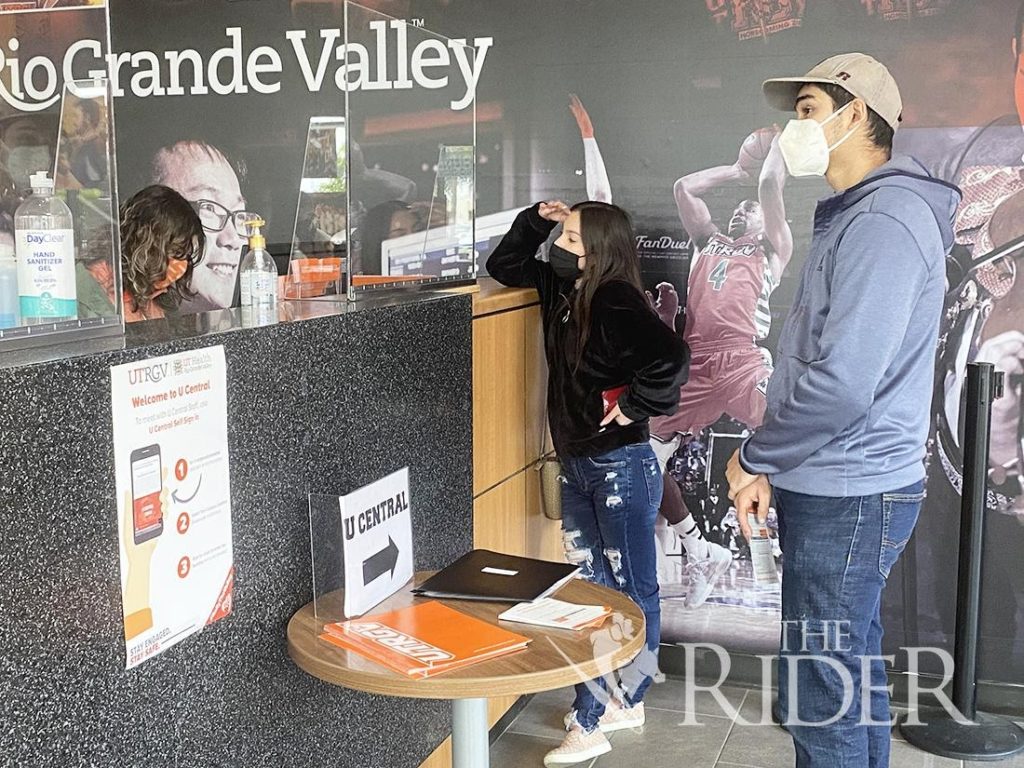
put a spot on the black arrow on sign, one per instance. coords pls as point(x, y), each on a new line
point(377, 565)
point(180, 500)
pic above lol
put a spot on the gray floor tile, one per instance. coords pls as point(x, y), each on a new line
point(756, 709)
point(665, 742)
point(897, 714)
point(672, 695)
point(1017, 761)
point(543, 715)
point(514, 750)
point(1014, 762)
point(764, 745)
point(906, 756)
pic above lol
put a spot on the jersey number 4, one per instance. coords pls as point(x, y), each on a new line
point(719, 274)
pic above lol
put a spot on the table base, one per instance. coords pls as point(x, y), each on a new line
point(471, 738)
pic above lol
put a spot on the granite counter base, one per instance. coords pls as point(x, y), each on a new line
point(320, 406)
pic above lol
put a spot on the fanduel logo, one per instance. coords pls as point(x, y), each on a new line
point(663, 243)
point(238, 68)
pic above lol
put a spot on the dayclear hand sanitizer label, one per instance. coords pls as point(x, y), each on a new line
point(46, 273)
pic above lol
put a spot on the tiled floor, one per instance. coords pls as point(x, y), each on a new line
point(710, 734)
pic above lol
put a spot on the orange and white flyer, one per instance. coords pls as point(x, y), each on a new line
point(173, 495)
point(558, 614)
point(424, 639)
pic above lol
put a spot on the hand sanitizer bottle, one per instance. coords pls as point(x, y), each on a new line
point(10, 313)
point(45, 251)
point(258, 273)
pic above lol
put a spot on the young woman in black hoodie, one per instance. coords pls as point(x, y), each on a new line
point(612, 364)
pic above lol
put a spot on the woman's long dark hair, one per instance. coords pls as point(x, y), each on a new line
point(610, 247)
point(158, 224)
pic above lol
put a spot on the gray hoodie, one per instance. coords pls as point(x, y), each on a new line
point(849, 400)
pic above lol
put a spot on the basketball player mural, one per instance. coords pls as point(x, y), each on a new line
point(732, 276)
point(983, 322)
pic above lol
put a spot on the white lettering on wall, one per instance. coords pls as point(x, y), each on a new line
point(240, 65)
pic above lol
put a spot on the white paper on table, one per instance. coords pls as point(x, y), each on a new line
point(548, 612)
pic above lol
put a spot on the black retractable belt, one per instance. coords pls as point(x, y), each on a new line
point(968, 734)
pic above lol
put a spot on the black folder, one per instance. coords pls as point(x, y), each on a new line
point(485, 575)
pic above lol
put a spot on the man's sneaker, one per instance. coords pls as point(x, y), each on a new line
point(578, 747)
point(704, 574)
point(616, 717)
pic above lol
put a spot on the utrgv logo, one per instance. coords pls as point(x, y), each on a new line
point(407, 645)
point(147, 373)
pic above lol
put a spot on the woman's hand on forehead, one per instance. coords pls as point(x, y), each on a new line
point(555, 211)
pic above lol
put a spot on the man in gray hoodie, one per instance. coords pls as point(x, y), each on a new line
point(843, 442)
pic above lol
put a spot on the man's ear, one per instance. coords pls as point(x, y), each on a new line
point(859, 110)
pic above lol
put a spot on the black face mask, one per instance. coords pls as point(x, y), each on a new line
point(565, 263)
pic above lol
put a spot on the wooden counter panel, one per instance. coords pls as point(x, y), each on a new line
point(493, 297)
point(536, 384)
point(499, 399)
point(490, 296)
point(498, 520)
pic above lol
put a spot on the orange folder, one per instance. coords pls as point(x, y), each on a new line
point(424, 639)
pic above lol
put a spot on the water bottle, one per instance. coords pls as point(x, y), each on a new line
point(44, 246)
point(10, 313)
point(762, 559)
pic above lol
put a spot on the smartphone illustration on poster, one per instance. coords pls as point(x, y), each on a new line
point(147, 484)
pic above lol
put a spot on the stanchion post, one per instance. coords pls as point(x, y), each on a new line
point(968, 734)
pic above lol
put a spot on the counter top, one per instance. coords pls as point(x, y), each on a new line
point(490, 296)
point(177, 328)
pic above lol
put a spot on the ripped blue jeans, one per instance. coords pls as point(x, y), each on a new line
point(609, 504)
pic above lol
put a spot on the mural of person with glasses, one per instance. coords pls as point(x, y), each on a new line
point(203, 175)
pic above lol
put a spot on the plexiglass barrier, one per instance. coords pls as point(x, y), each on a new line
point(327, 548)
point(60, 265)
point(319, 237)
point(388, 187)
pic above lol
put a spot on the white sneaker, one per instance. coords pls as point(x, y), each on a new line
point(704, 574)
point(615, 718)
point(578, 747)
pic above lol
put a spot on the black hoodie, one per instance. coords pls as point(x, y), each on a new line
point(628, 345)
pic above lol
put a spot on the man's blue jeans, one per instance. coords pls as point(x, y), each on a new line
point(609, 503)
point(837, 556)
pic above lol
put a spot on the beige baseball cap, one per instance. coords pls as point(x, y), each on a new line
point(860, 74)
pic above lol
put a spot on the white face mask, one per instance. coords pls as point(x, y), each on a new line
point(804, 146)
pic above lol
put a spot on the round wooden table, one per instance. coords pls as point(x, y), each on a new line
point(555, 658)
